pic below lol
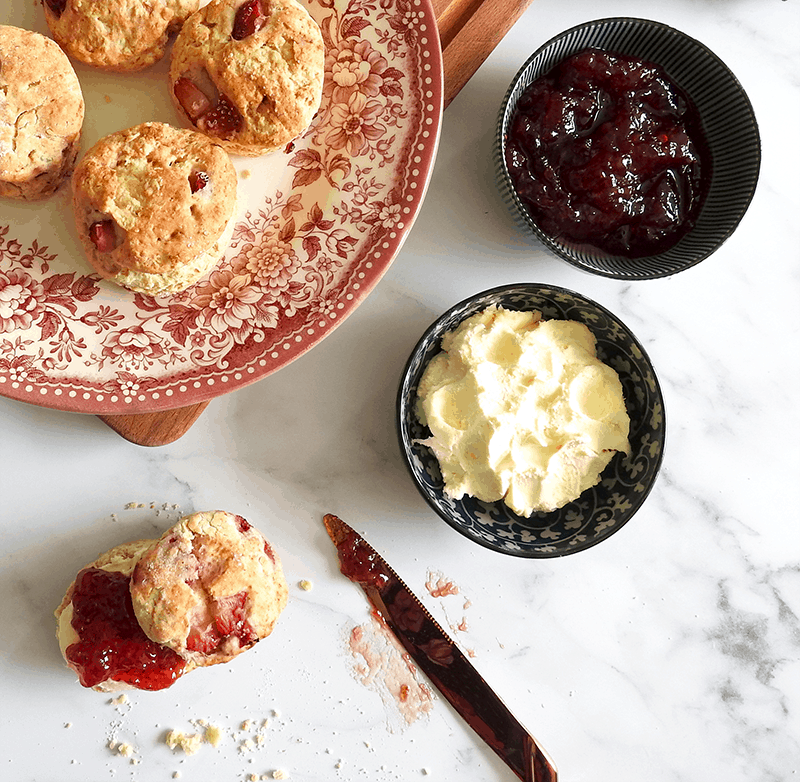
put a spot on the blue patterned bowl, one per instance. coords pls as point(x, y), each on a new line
point(625, 483)
point(728, 121)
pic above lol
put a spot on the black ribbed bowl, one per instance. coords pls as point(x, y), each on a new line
point(727, 119)
point(627, 479)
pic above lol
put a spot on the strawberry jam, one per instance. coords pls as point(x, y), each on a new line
point(606, 152)
point(113, 645)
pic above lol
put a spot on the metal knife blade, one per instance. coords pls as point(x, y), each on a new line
point(438, 656)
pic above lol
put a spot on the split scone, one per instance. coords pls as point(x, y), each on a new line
point(154, 207)
point(99, 635)
point(116, 35)
point(146, 613)
point(41, 115)
point(210, 588)
point(249, 73)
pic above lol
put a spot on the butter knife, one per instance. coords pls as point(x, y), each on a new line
point(438, 657)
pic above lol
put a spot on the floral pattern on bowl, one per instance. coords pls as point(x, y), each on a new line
point(624, 484)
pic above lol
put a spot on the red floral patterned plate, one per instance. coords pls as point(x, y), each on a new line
point(318, 226)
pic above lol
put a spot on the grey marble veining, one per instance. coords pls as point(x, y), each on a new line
point(670, 653)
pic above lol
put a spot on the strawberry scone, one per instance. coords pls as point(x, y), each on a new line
point(146, 613)
point(154, 206)
point(210, 588)
point(116, 35)
point(98, 633)
point(249, 73)
point(41, 115)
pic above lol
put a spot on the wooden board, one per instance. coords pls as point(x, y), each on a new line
point(469, 30)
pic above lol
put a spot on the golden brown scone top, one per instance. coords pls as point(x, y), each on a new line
point(117, 35)
point(40, 95)
point(140, 179)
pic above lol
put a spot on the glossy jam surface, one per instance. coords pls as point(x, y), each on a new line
point(113, 645)
point(606, 152)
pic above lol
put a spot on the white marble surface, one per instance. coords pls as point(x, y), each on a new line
point(668, 653)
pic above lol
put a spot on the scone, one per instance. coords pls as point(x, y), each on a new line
point(209, 589)
point(99, 635)
point(154, 207)
point(249, 73)
point(41, 115)
point(116, 35)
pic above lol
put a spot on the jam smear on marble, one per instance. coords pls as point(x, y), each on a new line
point(113, 645)
point(606, 152)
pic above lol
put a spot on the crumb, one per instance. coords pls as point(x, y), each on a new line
point(253, 778)
point(246, 725)
point(126, 750)
point(245, 174)
point(107, 98)
point(176, 774)
point(112, 745)
point(213, 735)
point(67, 724)
point(426, 771)
point(265, 723)
point(305, 585)
point(189, 744)
point(276, 713)
point(119, 700)
point(279, 773)
point(135, 761)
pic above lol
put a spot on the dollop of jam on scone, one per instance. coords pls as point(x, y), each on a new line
point(98, 633)
point(155, 206)
point(146, 613)
point(116, 35)
point(249, 73)
point(210, 588)
point(41, 115)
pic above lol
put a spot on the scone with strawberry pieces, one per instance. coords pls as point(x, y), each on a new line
point(249, 73)
point(155, 206)
point(209, 589)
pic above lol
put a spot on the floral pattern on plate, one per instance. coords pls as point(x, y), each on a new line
point(318, 226)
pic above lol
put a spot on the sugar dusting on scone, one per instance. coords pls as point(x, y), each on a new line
point(210, 588)
point(41, 115)
point(155, 206)
point(116, 35)
point(249, 73)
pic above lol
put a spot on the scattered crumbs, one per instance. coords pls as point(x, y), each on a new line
point(189, 744)
point(470, 653)
point(107, 98)
point(246, 725)
point(276, 713)
point(176, 774)
point(252, 777)
point(260, 739)
point(247, 746)
point(245, 174)
point(467, 604)
point(119, 700)
point(265, 723)
point(305, 585)
point(135, 761)
point(67, 724)
point(462, 626)
point(213, 735)
point(279, 773)
point(426, 771)
point(338, 764)
point(113, 517)
point(126, 750)
point(112, 745)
